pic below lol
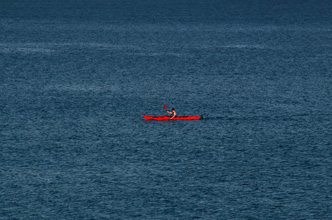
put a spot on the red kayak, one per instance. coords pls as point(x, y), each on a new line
point(166, 118)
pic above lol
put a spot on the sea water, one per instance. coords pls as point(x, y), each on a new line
point(77, 76)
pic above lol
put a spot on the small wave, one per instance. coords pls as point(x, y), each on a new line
point(243, 46)
point(47, 48)
point(155, 54)
point(25, 48)
point(234, 46)
point(34, 50)
point(82, 88)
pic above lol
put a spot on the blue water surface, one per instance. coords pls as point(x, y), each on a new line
point(77, 76)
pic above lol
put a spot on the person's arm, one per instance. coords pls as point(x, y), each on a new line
point(173, 115)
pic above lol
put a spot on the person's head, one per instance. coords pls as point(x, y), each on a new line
point(173, 109)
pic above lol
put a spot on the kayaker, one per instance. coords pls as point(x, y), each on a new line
point(173, 113)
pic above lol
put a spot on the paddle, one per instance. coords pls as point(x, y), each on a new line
point(165, 107)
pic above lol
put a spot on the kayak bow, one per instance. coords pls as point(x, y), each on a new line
point(166, 118)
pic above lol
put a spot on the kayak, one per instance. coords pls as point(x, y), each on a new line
point(166, 118)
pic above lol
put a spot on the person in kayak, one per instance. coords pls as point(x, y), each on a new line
point(173, 113)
